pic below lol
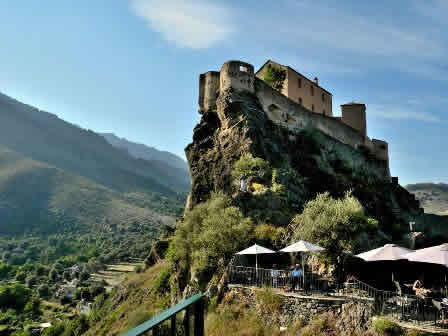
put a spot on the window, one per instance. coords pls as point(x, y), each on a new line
point(312, 107)
point(243, 68)
point(299, 82)
point(300, 100)
point(312, 89)
point(324, 112)
point(323, 97)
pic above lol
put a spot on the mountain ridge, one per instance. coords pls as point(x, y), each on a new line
point(56, 142)
point(58, 177)
point(432, 196)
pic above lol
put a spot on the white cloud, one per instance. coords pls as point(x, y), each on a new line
point(336, 28)
point(401, 112)
point(193, 24)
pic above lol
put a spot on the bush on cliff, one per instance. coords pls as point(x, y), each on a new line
point(338, 225)
point(213, 230)
point(250, 166)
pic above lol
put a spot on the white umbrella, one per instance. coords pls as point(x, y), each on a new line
point(302, 246)
point(433, 255)
point(387, 252)
point(256, 249)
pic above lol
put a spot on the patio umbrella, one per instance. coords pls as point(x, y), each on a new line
point(302, 246)
point(433, 255)
point(256, 249)
point(388, 252)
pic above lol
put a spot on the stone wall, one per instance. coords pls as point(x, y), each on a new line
point(306, 307)
point(285, 112)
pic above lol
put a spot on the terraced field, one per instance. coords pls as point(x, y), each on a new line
point(114, 274)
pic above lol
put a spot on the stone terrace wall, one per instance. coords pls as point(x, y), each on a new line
point(305, 307)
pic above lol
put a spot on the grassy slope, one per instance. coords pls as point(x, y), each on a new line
point(136, 300)
point(433, 197)
point(36, 196)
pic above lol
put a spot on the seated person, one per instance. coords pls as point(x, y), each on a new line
point(419, 288)
point(275, 273)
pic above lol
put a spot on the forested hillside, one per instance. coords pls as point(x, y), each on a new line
point(37, 197)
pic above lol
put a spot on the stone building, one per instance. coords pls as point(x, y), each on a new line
point(302, 90)
point(285, 109)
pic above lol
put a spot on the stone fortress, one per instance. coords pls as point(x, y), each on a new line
point(301, 104)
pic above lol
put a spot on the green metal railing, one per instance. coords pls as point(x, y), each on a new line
point(194, 304)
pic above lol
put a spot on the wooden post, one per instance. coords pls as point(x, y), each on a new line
point(187, 321)
point(173, 325)
point(199, 318)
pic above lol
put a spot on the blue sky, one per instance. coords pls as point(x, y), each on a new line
point(131, 66)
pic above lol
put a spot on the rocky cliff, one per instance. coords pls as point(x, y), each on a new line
point(306, 162)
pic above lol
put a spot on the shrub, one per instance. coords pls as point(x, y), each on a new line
point(268, 300)
point(323, 324)
point(237, 321)
point(386, 327)
point(332, 223)
point(250, 166)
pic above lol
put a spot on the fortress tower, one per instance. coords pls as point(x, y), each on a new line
point(354, 115)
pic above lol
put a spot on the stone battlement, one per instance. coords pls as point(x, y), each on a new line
point(349, 129)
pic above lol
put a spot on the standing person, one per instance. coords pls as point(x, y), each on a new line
point(296, 274)
point(243, 183)
point(275, 273)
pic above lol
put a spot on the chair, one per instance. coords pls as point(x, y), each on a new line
point(407, 304)
point(439, 311)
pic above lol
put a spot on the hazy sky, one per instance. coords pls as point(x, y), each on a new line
point(132, 67)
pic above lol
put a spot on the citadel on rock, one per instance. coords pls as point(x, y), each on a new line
point(300, 103)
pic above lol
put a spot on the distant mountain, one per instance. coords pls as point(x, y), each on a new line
point(55, 176)
point(44, 137)
point(432, 196)
point(141, 151)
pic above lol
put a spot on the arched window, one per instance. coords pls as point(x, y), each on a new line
point(299, 82)
point(312, 89)
point(324, 112)
point(323, 97)
point(312, 107)
point(300, 100)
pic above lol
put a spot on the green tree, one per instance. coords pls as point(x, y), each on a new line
point(31, 280)
point(338, 225)
point(275, 77)
point(44, 291)
point(211, 231)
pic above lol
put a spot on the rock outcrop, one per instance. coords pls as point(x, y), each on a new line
point(313, 161)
